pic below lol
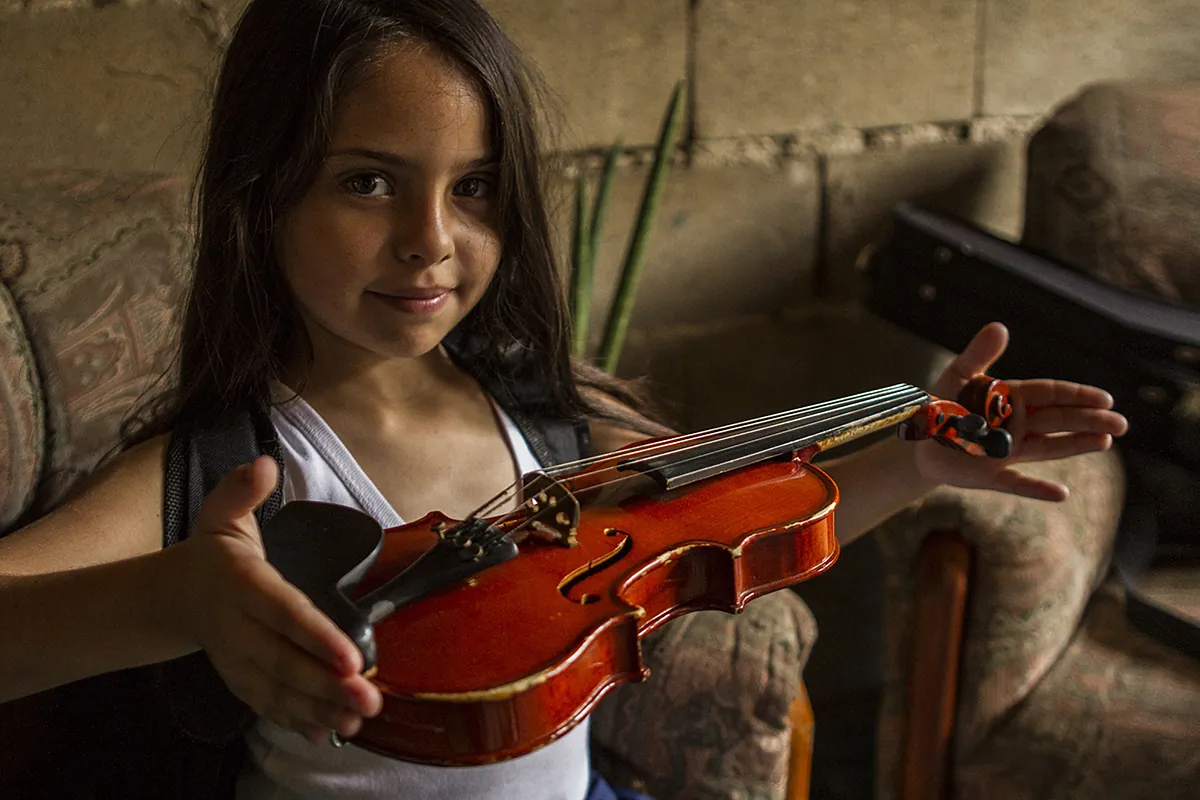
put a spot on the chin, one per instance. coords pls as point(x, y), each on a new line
point(411, 344)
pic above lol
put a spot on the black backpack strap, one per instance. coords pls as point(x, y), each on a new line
point(552, 441)
point(207, 717)
point(199, 456)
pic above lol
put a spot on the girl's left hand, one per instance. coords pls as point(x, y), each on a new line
point(1051, 419)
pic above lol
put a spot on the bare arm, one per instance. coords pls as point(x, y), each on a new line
point(624, 428)
point(607, 437)
point(89, 590)
point(874, 483)
point(83, 590)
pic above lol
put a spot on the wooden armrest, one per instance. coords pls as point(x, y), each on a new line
point(801, 748)
point(940, 601)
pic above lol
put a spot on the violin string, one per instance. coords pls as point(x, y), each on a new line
point(708, 438)
point(771, 445)
point(703, 438)
point(735, 433)
point(787, 420)
point(877, 413)
point(712, 435)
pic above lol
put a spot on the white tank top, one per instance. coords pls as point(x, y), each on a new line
point(285, 766)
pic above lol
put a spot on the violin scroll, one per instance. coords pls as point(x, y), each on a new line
point(989, 398)
point(974, 424)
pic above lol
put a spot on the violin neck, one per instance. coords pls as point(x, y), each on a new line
point(819, 427)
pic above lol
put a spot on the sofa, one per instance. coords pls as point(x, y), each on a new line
point(1013, 670)
point(92, 279)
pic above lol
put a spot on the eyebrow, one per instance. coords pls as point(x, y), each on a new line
point(402, 162)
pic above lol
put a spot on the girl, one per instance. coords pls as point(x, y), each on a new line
point(373, 271)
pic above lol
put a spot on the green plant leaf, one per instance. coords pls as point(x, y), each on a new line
point(580, 294)
point(600, 211)
point(631, 269)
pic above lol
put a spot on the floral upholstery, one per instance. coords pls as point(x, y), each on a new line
point(711, 721)
point(1114, 192)
point(1036, 565)
point(93, 270)
point(1058, 696)
point(22, 414)
point(94, 267)
point(1116, 716)
point(1113, 187)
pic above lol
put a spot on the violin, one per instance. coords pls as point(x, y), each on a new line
point(492, 636)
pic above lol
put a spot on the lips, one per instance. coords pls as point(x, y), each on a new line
point(416, 300)
point(417, 293)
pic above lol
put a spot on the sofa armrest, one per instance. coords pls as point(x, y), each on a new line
point(714, 719)
point(941, 574)
point(1035, 565)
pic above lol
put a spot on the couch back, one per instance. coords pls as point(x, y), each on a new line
point(1114, 191)
point(1113, 187)
point(92, 282)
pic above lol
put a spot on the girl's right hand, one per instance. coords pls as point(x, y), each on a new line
point(273, 648)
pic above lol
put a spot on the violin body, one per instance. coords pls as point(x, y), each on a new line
point(493, 636)
point(518, 654)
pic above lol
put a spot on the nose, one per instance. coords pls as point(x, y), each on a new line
point(424, 231)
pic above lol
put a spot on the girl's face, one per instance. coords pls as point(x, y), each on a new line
point(395, 241)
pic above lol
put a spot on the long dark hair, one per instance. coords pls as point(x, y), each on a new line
point(288, 62)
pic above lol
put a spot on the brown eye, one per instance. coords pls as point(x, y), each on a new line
point(367, 185)
point(473, 187)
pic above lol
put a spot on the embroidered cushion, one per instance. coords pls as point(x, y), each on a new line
point(711, 721)
point(1036, 565)
point(95, 266)
point(22, 413)
point(1113, 187)
point(1118, 715)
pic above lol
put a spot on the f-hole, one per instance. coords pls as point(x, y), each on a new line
point(596, 567)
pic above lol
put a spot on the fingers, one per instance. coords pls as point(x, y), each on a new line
point(237, 495)
point(288, 661)
point(1049, 448)
point(288, 684)
point(978, 356)
point(1058, 419)
point(292, 669)
point(291, 688)
point(288, 612)
point(1013, 482)
point(1048, 392)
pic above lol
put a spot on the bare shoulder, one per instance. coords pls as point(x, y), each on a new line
point(622, 426)
point(608, 436)
point(115, 514)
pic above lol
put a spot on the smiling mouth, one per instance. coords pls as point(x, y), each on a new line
point(419, 302)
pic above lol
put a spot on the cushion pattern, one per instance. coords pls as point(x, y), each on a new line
point(22, 415)
point(1117, 716)
point(711, 721)
point(1036, 565)
point(1113, 187)
point(99, 288)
